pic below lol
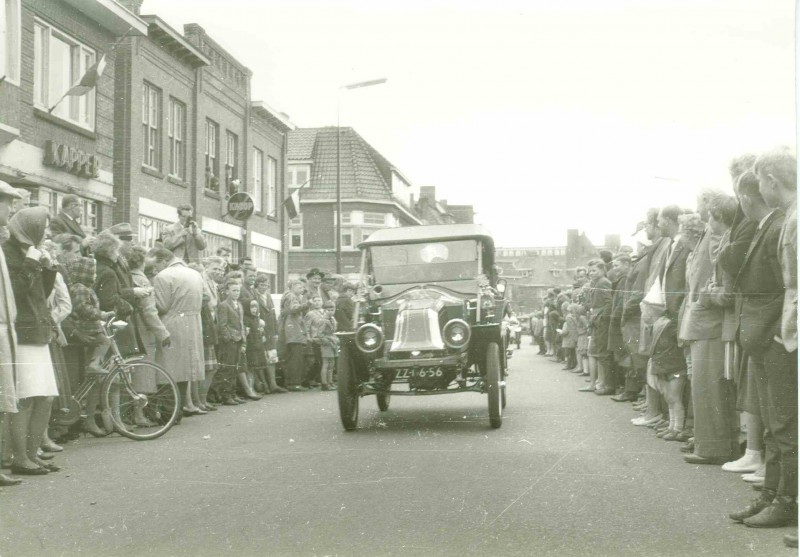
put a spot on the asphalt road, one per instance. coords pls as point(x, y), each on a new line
point(566, 475)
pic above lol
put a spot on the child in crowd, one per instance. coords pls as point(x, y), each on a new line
point(582, 346)
point(569, 335)
point(256, 348)
point(323, 335)
point(84, 324)
point(231, 350)
point(313, 353)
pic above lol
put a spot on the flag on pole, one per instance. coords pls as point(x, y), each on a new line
point(292, 204)
point(89, 79)
point(87, 82)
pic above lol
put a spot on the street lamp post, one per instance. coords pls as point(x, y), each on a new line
point(358, 85)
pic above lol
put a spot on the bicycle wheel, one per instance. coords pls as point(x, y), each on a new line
point(141, 415)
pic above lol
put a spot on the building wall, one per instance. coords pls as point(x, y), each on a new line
point(142, 60)
point(22, 160)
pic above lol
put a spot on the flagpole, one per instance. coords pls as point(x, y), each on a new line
point(64, 96)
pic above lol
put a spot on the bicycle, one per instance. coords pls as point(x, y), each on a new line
point(161, 408)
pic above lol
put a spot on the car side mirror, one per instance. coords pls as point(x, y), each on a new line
point(501, 287)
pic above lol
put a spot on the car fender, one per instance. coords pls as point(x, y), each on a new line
point(482, 335)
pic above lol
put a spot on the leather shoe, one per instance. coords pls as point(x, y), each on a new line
point(790, 540)
point(229, 402)
point(672, 436)
point(586, 389)
point(605, 391)
point(5, 481)
point(687, 448)
point(24, 471)
point(756, 506)
point(624, 397)
point(697, 459)
point(782, 512)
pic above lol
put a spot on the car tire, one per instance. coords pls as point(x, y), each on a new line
point(383, 402)
point(347, 387)
point(494, 388)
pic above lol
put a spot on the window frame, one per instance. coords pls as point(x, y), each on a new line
point(231, 159)
point(10, 41)
point(82, 110)
point(151, 132)
point(272, 186)
point(212, 140)
point(292, 175)
point(296, 227)
point(177, 164)
point(258, 179)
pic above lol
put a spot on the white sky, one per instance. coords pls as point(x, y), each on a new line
point(543, 114)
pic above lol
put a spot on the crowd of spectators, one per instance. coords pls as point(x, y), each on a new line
point(698, 330)
point(211, 323)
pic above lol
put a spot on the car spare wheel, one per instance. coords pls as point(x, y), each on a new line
point(494, 377)
point(383, 402)
point(347, 386)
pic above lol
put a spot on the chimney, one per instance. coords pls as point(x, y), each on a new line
point(133, 6)
point(427, 192)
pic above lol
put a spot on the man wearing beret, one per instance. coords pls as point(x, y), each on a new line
point(184, 238)
point(68, 220)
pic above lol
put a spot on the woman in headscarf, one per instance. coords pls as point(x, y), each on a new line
point(32, 282)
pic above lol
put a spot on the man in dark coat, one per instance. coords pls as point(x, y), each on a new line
point(68, 220)
point(761, 283)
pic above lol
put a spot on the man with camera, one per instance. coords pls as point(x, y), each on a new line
point(184, 238)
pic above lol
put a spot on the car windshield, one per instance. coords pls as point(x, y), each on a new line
point(425, 262)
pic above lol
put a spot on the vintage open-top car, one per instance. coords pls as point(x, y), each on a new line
point(427, 319)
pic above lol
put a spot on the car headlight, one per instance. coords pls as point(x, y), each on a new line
point(369, 338)
point(456, 333)
point(487, 307)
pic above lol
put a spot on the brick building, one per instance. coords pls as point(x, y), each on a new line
point(49, 144)
point(188, 131)
point(530, 271)
point(374, 193)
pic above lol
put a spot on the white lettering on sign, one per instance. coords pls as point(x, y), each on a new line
point(75, 161)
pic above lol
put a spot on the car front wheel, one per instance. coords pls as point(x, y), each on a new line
point(347, 387)
point(494, 388)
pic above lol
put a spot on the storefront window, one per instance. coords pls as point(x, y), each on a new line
point(214, 242)
point(52, 201)
point(266, 261)
point(150, 230)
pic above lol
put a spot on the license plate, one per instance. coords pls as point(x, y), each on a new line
point(419, 372)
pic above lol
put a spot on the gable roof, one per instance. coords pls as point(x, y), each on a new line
point(365, 173)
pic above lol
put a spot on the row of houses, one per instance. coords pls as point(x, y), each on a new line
point(531, 271)
point(172, 119)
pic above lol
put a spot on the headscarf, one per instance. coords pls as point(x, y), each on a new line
point(27, 225)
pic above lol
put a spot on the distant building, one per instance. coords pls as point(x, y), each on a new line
point(530, 271)
point(374, 193)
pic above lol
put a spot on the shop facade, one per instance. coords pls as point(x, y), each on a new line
point(53, 144)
